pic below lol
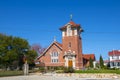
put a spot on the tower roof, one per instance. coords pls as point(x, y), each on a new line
point(73, 25)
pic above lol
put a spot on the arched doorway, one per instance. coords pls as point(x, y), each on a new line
point(70, 63)
point(70, 59)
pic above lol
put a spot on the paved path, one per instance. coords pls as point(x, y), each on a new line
point(46, 77)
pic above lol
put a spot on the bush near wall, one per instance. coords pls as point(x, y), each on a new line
point(98, 71)
point(68, 70)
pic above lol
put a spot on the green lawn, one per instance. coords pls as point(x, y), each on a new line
point(10, 73)
point(98, 71)
point(14, 73)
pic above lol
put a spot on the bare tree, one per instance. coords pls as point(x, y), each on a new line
point(38, 48)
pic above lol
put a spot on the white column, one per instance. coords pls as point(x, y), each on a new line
point(111, 65)
point(94, 64)
point(116, 64)
point(63, 33)
point(66, 62)
point(75, 32)
point(73, 59)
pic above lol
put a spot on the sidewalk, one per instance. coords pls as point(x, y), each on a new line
point(46, 77)
point(63, 76)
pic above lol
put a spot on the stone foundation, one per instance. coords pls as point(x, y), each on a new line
point(84, 75)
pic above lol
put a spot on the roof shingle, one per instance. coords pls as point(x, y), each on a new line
point(87, 56)
point(114, 52)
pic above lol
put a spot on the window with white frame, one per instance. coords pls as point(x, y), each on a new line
point(69, 31)
point(54, 60)
point(115, 57)
point(54, 54)
point(54, 57)
point(118, 63)
point(113, 64)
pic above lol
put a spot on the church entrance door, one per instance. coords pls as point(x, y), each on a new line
point(70, 63)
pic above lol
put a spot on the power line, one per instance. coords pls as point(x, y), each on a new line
point(57, 31)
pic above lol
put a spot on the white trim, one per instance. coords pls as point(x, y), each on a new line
point(69, 30)
point(63, 33)
point(75, 32)
point(66, 61)
point(73, 61)
point(73, 51)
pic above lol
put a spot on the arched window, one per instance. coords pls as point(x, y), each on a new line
point(69, 31)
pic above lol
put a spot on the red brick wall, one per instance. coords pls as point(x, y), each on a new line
point(76, 46)
point(46, 59)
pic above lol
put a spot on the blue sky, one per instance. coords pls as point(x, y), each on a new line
point(39, 21)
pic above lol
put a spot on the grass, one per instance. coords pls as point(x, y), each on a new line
point(10, 73)
point(98, 71)
point(14, 73)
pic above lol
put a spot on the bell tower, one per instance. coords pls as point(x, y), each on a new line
point(72, 45)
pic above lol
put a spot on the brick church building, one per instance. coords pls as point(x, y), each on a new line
point(69, 52)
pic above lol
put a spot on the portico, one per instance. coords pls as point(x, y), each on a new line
point(70, 59)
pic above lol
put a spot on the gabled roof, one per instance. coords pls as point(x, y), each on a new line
point(59, 44)
point(87, 56)
point(114, 53)
point(54, 43)
point(74, 25)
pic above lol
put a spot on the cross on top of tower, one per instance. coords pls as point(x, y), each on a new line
point(54, 38)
